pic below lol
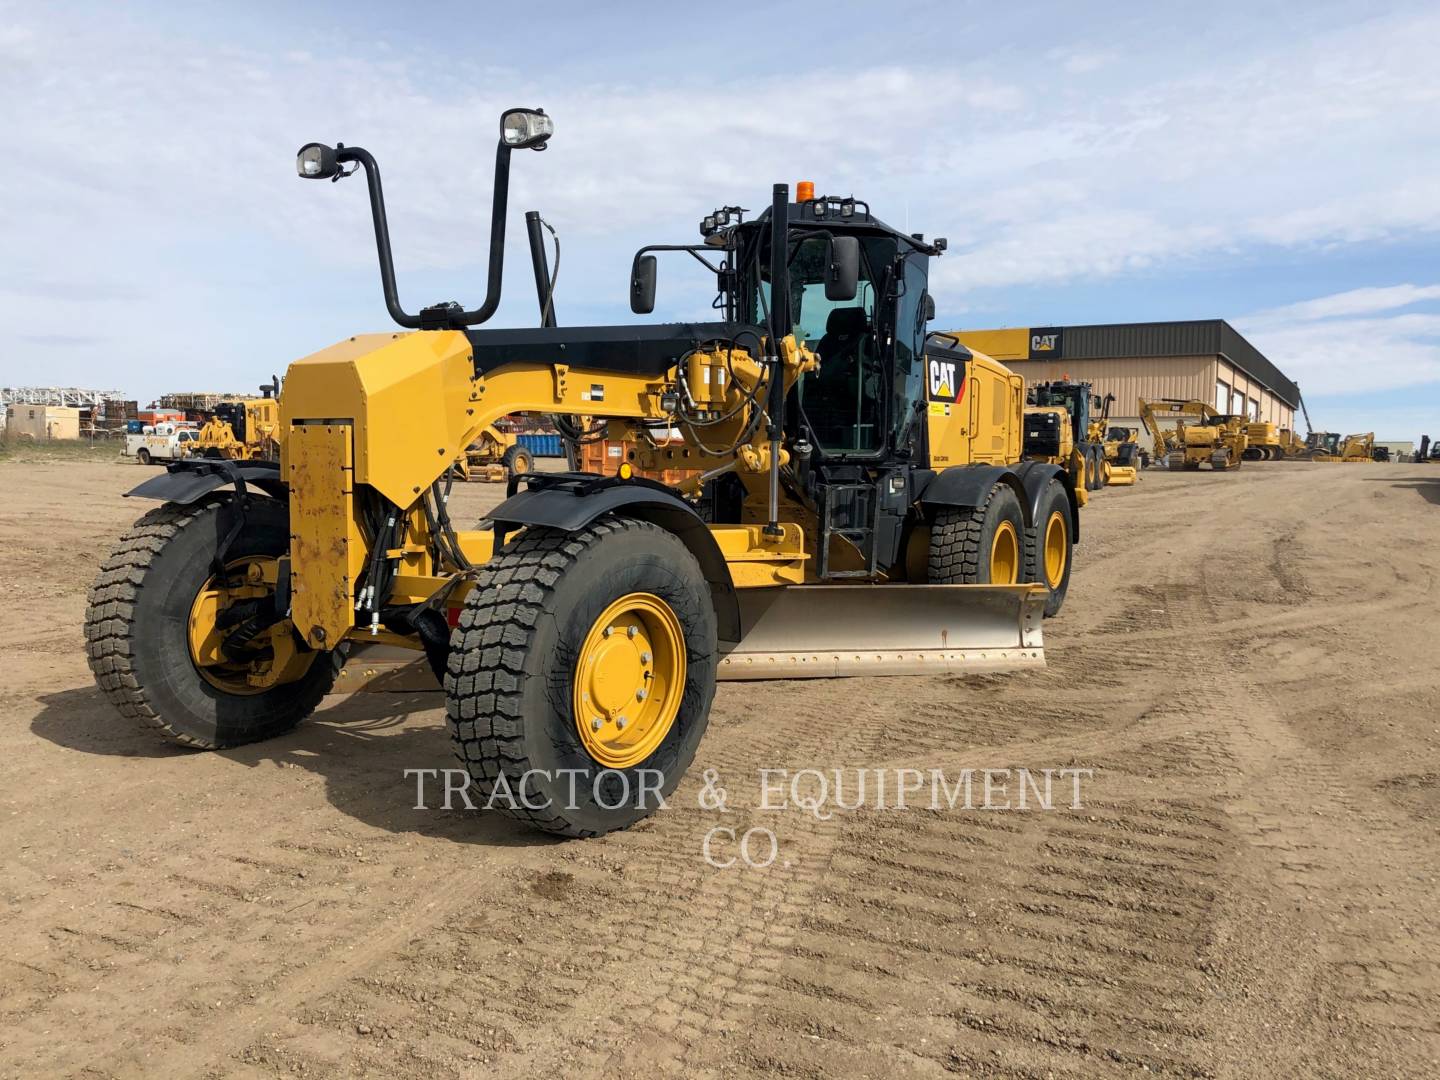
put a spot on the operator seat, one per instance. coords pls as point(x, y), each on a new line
point(830, 394)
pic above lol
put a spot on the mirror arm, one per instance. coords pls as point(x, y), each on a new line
point(693, 250)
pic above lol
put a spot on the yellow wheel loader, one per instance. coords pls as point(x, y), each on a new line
point(1201, 434)
point(1119, 447)
point(861, 508)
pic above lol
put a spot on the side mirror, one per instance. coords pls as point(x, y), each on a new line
point(642, 285)
point(842, 277)
point(929, 313)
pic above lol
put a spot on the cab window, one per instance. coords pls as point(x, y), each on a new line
point(905, 385)
point(844, 400)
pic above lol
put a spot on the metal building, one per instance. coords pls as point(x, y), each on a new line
point(1206, 360)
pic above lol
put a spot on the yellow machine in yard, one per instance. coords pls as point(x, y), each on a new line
point(862, 507)
point(494, 455)
point(1263, 442)
point(242, 429)
point(1331, 446)
point(1354, 448)
point(1201, 435)
point(1065, 424)
point(1123, 451)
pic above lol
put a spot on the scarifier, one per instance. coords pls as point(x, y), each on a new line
point(856, 503)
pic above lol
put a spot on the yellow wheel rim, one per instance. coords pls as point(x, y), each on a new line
point(629, 678)
point(1005, 555)
point(1056, 549)
point(275, 659)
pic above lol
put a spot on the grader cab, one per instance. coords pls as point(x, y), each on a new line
point(858, 505)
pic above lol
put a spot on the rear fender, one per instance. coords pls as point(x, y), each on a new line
point(571, 501)
point(1034, 476)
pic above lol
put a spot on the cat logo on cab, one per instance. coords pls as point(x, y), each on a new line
point(947, 382)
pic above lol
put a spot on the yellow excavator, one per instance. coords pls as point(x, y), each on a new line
point(860, 506)
point(1201, 434)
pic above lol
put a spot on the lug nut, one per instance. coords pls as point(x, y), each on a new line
point(644, 657)
point(607, 631)
point(596, 724)
point(641, 695)
point(631, 631)
point(620, 722)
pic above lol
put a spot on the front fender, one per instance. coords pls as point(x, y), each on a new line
point(189, 479)
point(571, 501)
point(970, 485)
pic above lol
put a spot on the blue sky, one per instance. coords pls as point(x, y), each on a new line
point(1274, 165)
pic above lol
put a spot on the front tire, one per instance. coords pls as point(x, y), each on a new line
point(137, 630)
point(979, 546)
point(142, 456)
point(545, 638)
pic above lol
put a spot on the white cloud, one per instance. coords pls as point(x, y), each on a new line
point(158, 185)
point(1346, 347)
point(1353, 302)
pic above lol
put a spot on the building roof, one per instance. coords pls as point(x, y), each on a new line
point(1200, 337)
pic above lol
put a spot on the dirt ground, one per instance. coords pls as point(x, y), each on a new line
point(1246, 660)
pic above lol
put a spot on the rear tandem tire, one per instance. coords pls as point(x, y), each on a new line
point(137, 621)
point(536, 612)
point(968, 544)
point(1053, 534)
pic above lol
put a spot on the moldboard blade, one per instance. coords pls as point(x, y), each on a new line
point(823, 631)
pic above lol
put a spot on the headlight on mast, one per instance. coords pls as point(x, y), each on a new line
point(526, 129)
point(316, 161)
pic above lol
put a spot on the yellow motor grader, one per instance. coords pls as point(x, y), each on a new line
point(1201, 434)
point(1065, 424)
point(861, 507)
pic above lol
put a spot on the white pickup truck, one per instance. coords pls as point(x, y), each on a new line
point(163, 442)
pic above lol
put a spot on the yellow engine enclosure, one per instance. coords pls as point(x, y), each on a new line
point(980, 420)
